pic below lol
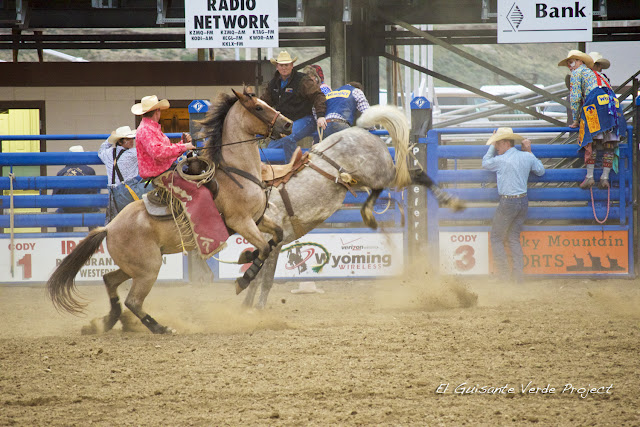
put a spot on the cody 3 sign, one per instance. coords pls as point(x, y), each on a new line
point(544, 21)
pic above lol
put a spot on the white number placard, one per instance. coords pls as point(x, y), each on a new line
point(464, 252)
point(34, 259)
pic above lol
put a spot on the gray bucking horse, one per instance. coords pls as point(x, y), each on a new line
point(353, 158)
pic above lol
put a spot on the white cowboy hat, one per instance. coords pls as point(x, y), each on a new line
point(504, 133)
point(576, 54)
point(307, 288)
point(149, 103)
point(598, 59)
point(121, 132)
point(283, 58)
point(76, 149)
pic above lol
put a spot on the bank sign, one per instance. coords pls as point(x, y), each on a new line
point(544, 21)
point(231, 23)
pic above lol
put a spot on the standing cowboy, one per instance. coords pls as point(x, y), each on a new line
point(512, 169)
point(294, 94)
point(596, 110)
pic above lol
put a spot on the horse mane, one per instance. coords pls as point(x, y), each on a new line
point(212, 127)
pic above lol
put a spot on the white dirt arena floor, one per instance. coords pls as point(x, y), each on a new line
point(407, 351)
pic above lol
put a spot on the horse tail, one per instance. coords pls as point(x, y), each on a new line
point(61, 285)
point(397, 125)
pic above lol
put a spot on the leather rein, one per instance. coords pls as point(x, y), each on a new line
point(298, 227)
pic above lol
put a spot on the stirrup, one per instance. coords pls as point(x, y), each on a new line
point(587, 183)
point(604, 183)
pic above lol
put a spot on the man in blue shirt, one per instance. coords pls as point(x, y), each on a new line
point(512, 168)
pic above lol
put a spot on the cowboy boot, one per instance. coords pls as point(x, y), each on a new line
point(604, 183)
point(587, 183)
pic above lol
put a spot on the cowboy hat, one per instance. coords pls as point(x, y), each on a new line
point(504, 133)
point(307, 288)
point(149, 103)
point(576, 54)
point(121, 132)
point(283, 58)
point(598, 59)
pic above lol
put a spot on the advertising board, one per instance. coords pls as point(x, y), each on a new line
point(34, 260)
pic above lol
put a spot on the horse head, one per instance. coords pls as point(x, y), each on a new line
point(276, 122)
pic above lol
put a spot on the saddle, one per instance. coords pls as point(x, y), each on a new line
point(192, 208)
point(274, 175)
point(156, 206)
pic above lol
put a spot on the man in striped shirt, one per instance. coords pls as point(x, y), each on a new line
point(342, 105)
point(512, 168)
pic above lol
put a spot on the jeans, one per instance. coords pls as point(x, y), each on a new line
point(333, 127)
point(507, 225)
point(301, 128)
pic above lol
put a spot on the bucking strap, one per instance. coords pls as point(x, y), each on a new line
point(298, 230)
point(286, 200)
point(330, 177)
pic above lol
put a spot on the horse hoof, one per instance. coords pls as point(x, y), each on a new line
point(130, 323)
point(241, 284)
point(165, 330)
point(368, 219)
point(247, 256)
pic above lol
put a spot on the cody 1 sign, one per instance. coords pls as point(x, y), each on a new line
point(546, 21)
point(231, 23)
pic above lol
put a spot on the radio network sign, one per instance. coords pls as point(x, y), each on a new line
point(231, 23)
point(550, 21)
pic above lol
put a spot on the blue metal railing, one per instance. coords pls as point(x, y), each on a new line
point(99, 182)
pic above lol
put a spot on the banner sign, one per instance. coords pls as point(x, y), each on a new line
point(319, 255)
point(545, 252)
point(36, 258)
point(231, 23)
point(544, 21)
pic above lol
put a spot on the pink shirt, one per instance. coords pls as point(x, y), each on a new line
point(155, 152)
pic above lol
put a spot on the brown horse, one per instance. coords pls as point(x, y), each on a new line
point(136, 241)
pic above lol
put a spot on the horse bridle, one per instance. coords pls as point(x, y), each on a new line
point(270, 125)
